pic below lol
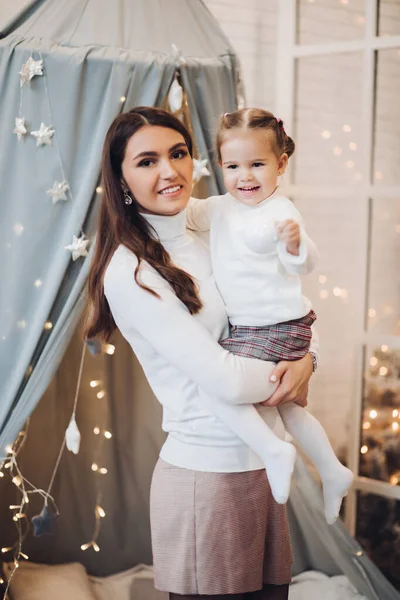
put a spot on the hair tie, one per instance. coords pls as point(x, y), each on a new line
point(280, 122)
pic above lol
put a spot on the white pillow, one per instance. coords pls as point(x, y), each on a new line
point(33, 581)
point(313, 585)
point(135, 584)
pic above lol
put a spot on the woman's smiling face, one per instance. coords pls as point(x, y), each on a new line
point(158, 170)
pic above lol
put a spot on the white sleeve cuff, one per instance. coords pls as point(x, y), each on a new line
point(288, 259)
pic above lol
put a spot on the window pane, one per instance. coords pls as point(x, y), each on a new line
point(377, 530)
point(253, 34)
point(384, 271)
point(328, 130)
point(387, 123)
point(336, 290)
point(321, 21)
point(380, 428)
point(389, 17)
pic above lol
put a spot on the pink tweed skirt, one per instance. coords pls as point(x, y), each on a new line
point(217, 533)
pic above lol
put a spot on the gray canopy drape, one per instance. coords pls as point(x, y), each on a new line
point(100, 58)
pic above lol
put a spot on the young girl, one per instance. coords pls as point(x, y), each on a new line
point(259, 249)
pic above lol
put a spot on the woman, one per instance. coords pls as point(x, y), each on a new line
point(216, 530)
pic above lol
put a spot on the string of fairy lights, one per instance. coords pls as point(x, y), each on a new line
point(25, 488)
point(102, 435)
point(43, 523)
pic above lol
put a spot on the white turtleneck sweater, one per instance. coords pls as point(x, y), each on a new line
point(257, 278)
point(180, 352)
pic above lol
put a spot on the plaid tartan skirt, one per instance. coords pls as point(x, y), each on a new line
point(284, 341)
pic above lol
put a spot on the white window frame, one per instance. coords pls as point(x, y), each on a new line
point(288, 51)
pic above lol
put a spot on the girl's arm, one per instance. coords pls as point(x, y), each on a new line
point(180, 338)
point(199, 213)
point(307, 258)
point(261, 232)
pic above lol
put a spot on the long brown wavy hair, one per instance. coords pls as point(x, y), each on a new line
point(120, 223)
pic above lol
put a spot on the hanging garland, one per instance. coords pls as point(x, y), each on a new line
point(44, 137)
point(26, 488)
point(78, 247)
point(58, 191)
point(200, 169)
point(30, 69)
point(43, 523)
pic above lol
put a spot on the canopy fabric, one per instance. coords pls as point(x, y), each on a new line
point(98, 59)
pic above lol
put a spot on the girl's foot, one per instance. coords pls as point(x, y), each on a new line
point(280, 465)
point(335, 489)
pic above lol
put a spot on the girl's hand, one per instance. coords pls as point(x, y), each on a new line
point(289, 232)
point(293, 377)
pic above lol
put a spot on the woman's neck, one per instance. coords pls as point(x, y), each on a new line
point(167, 227)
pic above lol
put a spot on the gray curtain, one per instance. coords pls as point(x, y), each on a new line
point(133, 416)
point(198, 80)
point(12, 17)
point(94, 53)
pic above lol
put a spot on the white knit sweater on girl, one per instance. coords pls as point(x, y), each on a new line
point(257, 278)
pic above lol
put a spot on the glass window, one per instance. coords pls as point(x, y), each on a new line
point(389, 17)
point(321, 21)
point(380, 426)
point(335, 289)
point(387, 123)
point(384, 272)
point(328, 129)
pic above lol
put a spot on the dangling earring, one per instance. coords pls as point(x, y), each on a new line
point(127, 198)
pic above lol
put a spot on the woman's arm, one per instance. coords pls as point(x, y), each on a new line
point(167, 325)
point(293, 377)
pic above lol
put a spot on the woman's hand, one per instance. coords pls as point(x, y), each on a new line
point(293, 377)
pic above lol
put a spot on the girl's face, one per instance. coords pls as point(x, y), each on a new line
point(250, 165)
point(157, 168)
